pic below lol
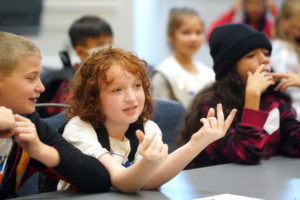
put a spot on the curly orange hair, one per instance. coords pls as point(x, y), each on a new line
point(84, 100)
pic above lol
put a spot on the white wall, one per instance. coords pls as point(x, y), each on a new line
point(138, 25)
point(59, 14)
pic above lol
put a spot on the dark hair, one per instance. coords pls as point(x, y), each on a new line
point(84, 100)
point(261, 23)
point(87, 27)
point(229, 91)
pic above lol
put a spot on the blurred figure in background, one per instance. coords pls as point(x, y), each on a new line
point(88, 34)
point(179, 77)
point(286, 47)
point(254, 13)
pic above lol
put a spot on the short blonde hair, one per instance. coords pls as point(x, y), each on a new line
point(12, 49)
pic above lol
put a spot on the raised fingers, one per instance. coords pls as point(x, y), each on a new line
point(220, 115)
point(229, 119)
point(146, 142)
point(211, 113)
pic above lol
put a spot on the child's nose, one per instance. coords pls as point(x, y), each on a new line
point(40, 87)
point(264, 59)
point(130, 95)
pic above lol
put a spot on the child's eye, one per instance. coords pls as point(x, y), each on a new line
point(199, 32)
point(267, 54)
point(31, 78)
point(186, 32)
point(138, 85)
point(117, 90)
point(250, 55)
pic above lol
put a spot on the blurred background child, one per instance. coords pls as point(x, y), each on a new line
point(286, 46)
point(254, 13)
point(87, 34)
point(179, 77)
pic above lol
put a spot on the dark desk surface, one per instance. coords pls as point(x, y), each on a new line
point(275, 179)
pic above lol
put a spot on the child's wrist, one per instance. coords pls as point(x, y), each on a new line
point(47, 155)
point(196, 146)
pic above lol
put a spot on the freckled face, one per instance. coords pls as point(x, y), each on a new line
point(122, 100)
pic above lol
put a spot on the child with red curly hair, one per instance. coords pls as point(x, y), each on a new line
point(110, 110)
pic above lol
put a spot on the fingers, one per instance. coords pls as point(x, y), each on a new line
point(152, 148)
point(220, 115)
point(280, 75)
point(146, 141)
point(262, 68)
point(21, 118)
point(229, 119)
point(205, 122)
point(25, 129)
point(211, 113)
point(281, 86)
point(140, 136)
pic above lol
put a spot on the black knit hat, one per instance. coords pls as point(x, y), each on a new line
point(229, 42)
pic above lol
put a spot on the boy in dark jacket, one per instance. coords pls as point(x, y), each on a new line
point(28, 144)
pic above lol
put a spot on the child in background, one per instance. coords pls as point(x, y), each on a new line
point(254, 14)
point(34, 145)
point(266, 125)
point(110, 108)
point(179, 77)
point(87, 34)
point(286, 46)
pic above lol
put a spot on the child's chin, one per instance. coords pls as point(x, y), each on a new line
point(28, 110)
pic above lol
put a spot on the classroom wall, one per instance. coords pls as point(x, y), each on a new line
point(59, 14)
point(138, 25)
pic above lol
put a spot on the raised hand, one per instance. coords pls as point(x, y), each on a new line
point(7, 122)
point(213, 127)
point(288, 79)
point(151, 148)
point(256, 84)
point(260, 80)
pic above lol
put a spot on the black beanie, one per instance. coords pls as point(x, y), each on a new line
point(229, 42)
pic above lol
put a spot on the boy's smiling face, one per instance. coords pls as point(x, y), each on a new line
point(23, 86)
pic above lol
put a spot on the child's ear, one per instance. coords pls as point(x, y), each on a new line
point(81, 52)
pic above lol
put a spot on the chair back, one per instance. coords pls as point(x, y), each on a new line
point(168, 115)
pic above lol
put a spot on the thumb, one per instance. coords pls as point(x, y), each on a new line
point(140, 135)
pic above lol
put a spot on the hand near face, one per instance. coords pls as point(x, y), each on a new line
point(26, 136)
point(151, 148)
point(213, 127)
point(260, 80)
point(7, 122)
point(286, 80)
